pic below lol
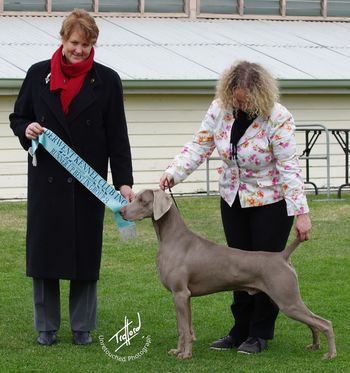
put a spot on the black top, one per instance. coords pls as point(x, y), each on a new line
point(240, 125)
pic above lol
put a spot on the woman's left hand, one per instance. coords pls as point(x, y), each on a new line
point(127, 192)
point(303, 227)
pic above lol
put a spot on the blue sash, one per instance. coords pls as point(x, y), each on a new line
point(87, 176)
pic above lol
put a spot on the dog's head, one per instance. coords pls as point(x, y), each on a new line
point(148, 203)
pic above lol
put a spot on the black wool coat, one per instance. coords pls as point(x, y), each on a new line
point(65, 221)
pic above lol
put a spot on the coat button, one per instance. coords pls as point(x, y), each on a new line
point(42, 119)
point(50, 179)
point(88, 122)
point(69, 180)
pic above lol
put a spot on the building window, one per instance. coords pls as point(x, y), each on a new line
point(127, 6)
point(25, 5)
point(68, 5)
point(271, 7)
point(118, 6)
point(219, 6)
point(336, 8)
point(164, 6)
point(191, 8)
point(260, 7)
point(303, 8)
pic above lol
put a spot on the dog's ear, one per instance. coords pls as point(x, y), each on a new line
point(161, 203)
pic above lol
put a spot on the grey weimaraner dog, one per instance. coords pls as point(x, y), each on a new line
point(192, 266)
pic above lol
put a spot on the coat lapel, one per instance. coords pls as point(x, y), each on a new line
point(252, 130)
point(85, 97)
point(52, 100)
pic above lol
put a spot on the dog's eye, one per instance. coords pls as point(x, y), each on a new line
point(141, 200)
point(144, 201)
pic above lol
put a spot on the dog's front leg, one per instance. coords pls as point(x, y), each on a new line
point(183, 316)
point(190, 320)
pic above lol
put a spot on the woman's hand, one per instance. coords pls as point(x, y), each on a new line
point(166, 181)
point(303, 227)
point(33, 130)
point(127, 192)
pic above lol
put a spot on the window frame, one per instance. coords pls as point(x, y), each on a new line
point(191, 10)
point(188, 5)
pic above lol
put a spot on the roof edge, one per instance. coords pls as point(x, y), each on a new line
point(168, 86)
point(9, 87)
point(315, 86)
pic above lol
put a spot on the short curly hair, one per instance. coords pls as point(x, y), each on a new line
point(262, 89)
point(81, 20)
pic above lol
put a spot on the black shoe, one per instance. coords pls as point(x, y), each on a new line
point(224, 343)
point(82, 338)
point(252, 345)
point(47, 338)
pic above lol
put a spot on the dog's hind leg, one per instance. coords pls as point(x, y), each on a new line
point(298, 311)
point(183, 316)
point(284, 291)
point(315, 345)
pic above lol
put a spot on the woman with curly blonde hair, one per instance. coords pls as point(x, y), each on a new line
point(260, 184)
point(261, 88)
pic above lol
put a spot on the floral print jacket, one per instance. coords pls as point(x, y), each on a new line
point(267, 168)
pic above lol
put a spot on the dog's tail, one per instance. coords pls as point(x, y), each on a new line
point(286, 253)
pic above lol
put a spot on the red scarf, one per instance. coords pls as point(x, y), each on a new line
point(68, 77)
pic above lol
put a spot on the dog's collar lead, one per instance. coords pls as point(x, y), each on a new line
point(172, 196)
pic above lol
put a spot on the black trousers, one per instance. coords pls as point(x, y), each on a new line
point(82, 305)
point(263, 228)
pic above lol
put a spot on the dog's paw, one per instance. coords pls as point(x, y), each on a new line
point(329, 355)
point(174, 351)
point(184, 355)
point(313, 346)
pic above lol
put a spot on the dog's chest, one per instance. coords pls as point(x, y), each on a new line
point(165, 268)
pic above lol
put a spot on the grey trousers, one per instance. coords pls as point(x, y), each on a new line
point(82, 305)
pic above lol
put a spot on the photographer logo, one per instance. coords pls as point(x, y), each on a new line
point(122, 340)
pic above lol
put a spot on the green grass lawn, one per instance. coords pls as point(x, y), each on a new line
point(129, 284)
